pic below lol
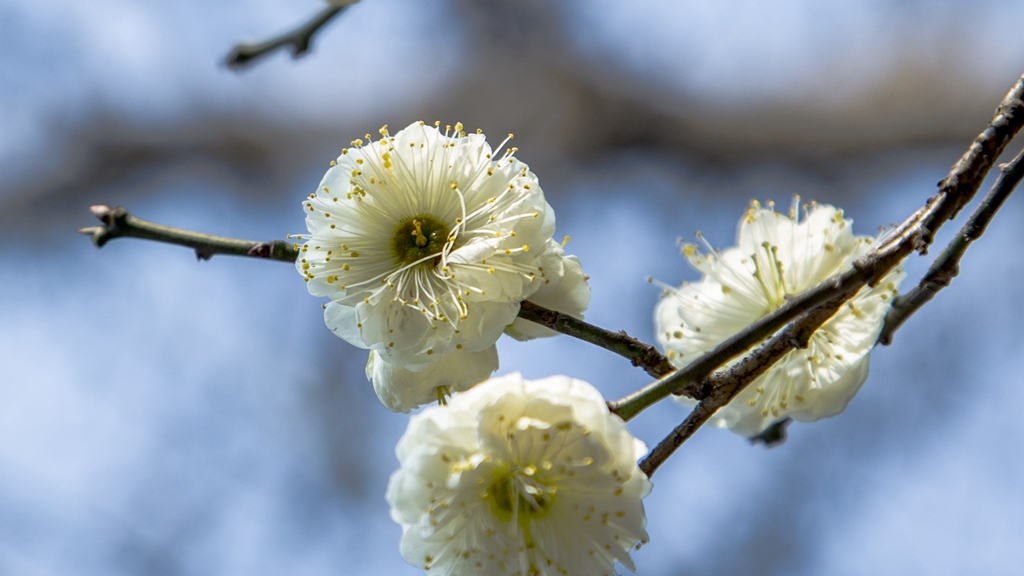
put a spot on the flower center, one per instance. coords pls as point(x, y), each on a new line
point(417, 238)
point(517, 494)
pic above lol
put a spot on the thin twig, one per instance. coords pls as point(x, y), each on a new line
point(915, 233)
point(299, 41)
point(118, 223)
point(640, 354)
point(947, 265)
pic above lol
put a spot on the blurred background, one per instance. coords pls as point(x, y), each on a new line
point(161, 416)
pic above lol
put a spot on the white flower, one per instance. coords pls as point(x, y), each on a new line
point(564, 288)
point(518, 477)
point(425, 243)
point(401, 389)
point(778, 256)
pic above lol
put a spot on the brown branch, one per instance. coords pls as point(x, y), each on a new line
point(957, 189)
point(947, 265)
point(118, 223)
point(640, 354)
point(915, 233)
point(299, 41)
point(723, 386)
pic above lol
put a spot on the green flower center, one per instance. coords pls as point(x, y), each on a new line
point(518, 494)
point(417, 238)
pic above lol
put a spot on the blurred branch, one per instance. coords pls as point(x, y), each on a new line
point(118, 223)
point(299, 40)
point(947, 265)
point(640, 354)
point(809, 310)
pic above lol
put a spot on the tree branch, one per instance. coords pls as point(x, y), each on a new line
point(947, 265)
point(640, 354)
point(915, 233)
point(723, 386)
point(964, 179)
point(299, 41)
point(118, 223)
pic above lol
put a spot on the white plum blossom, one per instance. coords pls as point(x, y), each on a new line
point(778, 256)
point(427, 242)
point(401, 389)
point(424, 242)
point(563, 287)
point(518, 477)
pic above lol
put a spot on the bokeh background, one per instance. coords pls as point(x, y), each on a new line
point(161, 416)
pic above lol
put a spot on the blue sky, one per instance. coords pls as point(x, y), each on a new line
point(163, 416)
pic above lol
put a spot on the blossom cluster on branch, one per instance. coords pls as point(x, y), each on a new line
point(428, 241)
point(429, 245)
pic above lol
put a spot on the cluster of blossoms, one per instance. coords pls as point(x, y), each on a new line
point(427, 242)
point(777, 256)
